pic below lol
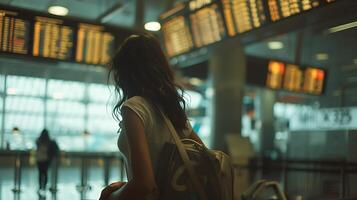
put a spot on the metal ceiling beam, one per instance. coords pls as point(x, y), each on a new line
point(139, 14)
point(109, 11)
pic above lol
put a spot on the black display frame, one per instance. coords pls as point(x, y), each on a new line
point(252, 72)
point(119, 33)
point(186, 12)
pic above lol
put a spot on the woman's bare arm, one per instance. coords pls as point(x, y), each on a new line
point(143, 181)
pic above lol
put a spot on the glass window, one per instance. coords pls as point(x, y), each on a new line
point(1, 83)
point(87, 143)
point(100, 93)
point(20, 85)
point(193, 99)
point(65, 108)
point(1, 116)
point(58, 89)
point(1, 105)
point(100, 119)
point(27, 123)
point(102, 126)
point(24, 104)
point(99, 110)
point(65, 125)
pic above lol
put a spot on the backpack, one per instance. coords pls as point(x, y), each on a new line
point(41, 152)
point(189, 171)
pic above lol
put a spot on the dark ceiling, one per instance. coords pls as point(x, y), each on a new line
point(126, 13)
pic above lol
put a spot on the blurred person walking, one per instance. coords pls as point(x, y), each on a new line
point(46, 151)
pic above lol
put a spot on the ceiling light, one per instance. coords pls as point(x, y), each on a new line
point(11, 91)
point(343, 27)
point(275, 45)
point(58, 10)
point(195, 81)
point(152, 26)
point(321, 56)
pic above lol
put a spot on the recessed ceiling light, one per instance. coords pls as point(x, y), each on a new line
point(343, 27)
point(321, 56)
point(274, 45)
point(152, 26)
point(58, 10)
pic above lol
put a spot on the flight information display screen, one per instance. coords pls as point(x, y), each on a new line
point(94, 44)
point(243, 15)
point(29, 33)
point(177, 36)
point(14, 33)
point(207, 25)
point(308, 80)
point(295, 78)
point(314, 79)
point(203, 22)
point(285, 76)
point(279, 9)
point(275, 74)
point(52, 39)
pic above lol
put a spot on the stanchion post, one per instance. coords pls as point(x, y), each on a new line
point(122, 169)
point(106, 169)
point(343, 180)
point(83, 187)
point(17, 173)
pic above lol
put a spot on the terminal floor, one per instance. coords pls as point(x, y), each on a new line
point(68, 179)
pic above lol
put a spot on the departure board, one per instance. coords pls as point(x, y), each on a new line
point(313, 80)
point(94, 44)
point(14, 33)
point(207, 25)
point(243, 15)
point(293, 78)
point(52, 39)
point(177, 36)
point(280, 9)
point(308, 80)
point(275, 74)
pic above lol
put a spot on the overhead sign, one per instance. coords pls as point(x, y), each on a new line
point(285, 76)
point(14, 33)
point(209, 21)
point(325, 119)
point(47, 36)
point(52, 39)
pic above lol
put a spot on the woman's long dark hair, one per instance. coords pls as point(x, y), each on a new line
point(44, 137)
point(140, 68)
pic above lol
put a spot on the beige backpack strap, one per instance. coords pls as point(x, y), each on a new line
point(186, 161)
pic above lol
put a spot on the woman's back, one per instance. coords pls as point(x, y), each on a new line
point(157, 134)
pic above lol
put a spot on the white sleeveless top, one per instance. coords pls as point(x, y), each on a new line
point(156, 131)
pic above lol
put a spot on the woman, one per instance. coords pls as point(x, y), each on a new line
point(145, 81)
point(47, 149)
